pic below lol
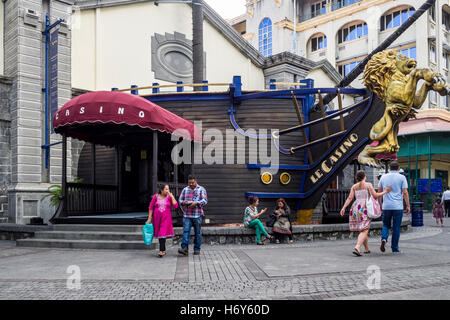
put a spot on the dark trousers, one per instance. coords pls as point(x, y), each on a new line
point(447, 208)
point(162, 244)
point(279, 236)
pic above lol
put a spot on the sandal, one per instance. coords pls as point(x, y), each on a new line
point(291, 241)
point(260, 243)
point(277, 241)
point(161, 254)
point(367, 252)
point(356, 252)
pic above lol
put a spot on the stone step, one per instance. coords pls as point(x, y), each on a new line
point(90, 235)
point(98, 227)
point(85, 244)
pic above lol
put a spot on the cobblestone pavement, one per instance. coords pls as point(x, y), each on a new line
point(317, 270)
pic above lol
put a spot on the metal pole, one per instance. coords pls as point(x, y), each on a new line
point(417, 165)
point(294, 34)
point(197, 42)
point(93, 168)
point(429, 172)
point(155, 162)
point(47, 42)
point(409, 170)
point(64, 174)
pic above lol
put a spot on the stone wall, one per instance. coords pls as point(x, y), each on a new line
point(24, 49)
point(305, 233)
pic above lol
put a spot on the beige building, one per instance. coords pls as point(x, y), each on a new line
point(123, 43)
point(345, 31)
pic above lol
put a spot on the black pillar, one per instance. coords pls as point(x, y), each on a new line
point(93, 160)
point(118, 177)
point(64, 174)
point(155, 162)
point(197, 42)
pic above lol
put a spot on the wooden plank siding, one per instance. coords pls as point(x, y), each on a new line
point(105, 168)
point(226, 184)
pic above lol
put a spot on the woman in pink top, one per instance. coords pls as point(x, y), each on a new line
point(160, 213)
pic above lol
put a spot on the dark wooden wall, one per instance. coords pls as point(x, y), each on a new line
point(226, 185)
point(105, 168)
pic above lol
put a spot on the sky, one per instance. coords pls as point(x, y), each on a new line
point(227, 8)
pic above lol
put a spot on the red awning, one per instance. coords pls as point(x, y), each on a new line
point(118, 108)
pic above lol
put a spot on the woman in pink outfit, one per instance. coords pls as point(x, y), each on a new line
point(160, 213)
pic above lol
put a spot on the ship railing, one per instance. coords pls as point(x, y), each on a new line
point(180, 87)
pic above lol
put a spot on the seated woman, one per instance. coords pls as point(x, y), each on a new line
point(251, 220)
point(282, 223)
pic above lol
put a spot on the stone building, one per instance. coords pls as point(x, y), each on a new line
point(345, 31)
point(24, 176)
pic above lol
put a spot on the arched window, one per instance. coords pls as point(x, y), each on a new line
point(446, 17)
point(352, 31)
point(395, 18)
point(318, 42)
point(265, 37)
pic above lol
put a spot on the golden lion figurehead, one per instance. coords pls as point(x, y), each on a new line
point(385, 67)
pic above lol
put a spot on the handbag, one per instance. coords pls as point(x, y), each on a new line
point(147, 232)
point(271, 220)
point(372, 207)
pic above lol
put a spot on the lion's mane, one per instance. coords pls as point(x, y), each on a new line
point(380, 71)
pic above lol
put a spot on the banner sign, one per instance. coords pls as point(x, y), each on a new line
point(53, 69)
point(436, 185)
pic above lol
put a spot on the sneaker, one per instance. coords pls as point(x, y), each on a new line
point(183, 251)
point(196, 252)
point(382, 247)
point(397, 252)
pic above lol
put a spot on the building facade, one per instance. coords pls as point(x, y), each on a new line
point(345, 31)
point(25, 171)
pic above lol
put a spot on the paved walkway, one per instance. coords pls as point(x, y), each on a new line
point(315, 270)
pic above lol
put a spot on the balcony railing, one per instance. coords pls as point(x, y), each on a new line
point(335, 5)
point(85, 199)
point(335, 199)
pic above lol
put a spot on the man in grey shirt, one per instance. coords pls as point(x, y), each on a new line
point(393, 205)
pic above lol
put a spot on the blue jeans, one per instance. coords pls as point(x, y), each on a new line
point(388, 217)
point(187, 224)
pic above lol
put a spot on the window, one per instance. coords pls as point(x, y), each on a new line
point(395, 18)
point(345, 69)
point(352, 32)
point(337, 4)
point(432, 12)
point(409, 52)
point(265, 37)
point(318, 9)
point(444, 101)
point(432, 53)
point(445, 20)
point(445, 60)
point(318, 43)
point(433, 97)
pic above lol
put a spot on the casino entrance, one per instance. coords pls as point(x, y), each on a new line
point(122, 162)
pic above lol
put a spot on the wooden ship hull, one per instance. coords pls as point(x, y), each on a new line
point(325, 144)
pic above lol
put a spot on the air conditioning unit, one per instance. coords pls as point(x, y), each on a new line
point(30, 17)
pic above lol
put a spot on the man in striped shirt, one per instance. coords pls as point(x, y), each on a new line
point(192, 199)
